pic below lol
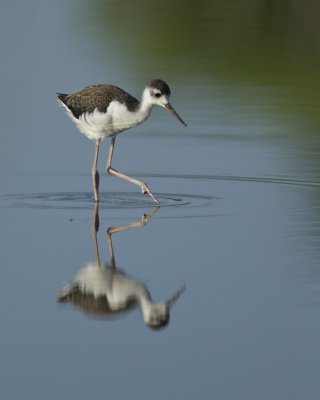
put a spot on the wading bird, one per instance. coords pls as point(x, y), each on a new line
point(101, 111)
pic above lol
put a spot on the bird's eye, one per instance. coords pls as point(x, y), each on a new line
point(157, 95)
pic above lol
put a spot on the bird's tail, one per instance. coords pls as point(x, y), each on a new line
point(61, 98)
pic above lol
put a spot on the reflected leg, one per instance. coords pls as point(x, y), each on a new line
point(135, 224)
point(95, 228)
point(95, 173)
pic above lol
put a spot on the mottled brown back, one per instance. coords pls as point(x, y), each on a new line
point(96, 96)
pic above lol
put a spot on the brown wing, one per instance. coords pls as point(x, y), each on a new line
point(96, 96)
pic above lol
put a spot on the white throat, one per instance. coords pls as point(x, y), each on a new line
point(146, 103)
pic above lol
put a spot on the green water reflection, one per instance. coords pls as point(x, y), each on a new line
point(256, 42)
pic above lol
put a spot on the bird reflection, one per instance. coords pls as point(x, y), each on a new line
point(102, 290)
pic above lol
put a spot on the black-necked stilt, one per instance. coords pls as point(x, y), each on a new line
point(101, 111)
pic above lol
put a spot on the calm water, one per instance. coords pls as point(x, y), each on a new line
point(237, 227)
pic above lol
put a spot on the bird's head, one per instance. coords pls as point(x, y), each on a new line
point(158, 93)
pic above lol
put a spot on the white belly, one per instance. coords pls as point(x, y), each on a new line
point(98, 125)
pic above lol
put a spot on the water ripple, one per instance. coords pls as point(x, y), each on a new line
point(116, 200)
point(122, 200)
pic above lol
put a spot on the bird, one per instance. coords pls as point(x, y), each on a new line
point(104, 110)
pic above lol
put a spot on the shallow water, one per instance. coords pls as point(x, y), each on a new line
point(237, 225)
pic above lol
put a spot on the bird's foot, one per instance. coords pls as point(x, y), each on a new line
point(146, 190)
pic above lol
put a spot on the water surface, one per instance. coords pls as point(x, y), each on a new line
point(238, 221)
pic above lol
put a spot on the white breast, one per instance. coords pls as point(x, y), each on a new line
point(99, 125)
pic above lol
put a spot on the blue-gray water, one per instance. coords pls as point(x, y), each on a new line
point(238, 223)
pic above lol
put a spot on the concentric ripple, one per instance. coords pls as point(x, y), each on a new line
point(123, 200)
point(116, 200)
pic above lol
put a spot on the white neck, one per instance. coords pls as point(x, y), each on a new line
point(146, 104)
point(144, 299)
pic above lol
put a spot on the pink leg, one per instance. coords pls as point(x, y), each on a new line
point(144, 188)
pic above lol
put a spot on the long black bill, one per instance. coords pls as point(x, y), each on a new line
point(172, 110)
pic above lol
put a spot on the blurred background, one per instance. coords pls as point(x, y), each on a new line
point(239, 219)
point(235, 68)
